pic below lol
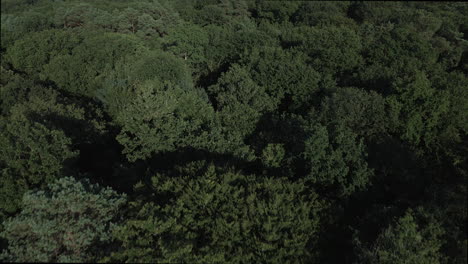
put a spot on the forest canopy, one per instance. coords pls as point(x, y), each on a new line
point(233, 131)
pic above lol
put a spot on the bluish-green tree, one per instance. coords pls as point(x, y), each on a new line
point(69, 221)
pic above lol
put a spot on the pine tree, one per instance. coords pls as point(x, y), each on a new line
point(216, 216)
point(69, 221)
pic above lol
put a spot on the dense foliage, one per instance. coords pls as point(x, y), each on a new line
point(233, 131)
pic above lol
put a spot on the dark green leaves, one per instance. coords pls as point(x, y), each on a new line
point(221, 216)
point(252, 131)
point(406, 241)
point(164, 117)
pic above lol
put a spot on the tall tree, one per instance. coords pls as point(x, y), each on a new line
point(165, 117)
point(214, 216)
point(406, 241)
point(69, 221)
